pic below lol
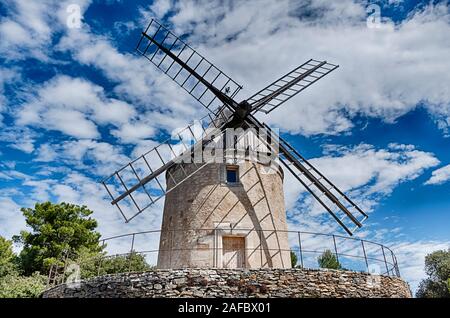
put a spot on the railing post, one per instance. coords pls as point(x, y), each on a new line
point(132, 243)
point(260, 248)
point(170, 248)
point(63, 276)
point(394, 261)
point(49, 276)
point(385, 262)
point(214, 248)
point(300, 248)
point(100, 260)
point(365, 255)
point(398, 269)
point(99, 265)
point(130, 255)
point(335, 248)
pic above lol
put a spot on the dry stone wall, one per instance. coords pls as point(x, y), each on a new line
point(236, 283)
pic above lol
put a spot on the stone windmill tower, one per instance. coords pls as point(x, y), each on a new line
point(223, 187)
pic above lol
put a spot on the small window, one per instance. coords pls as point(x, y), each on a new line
point(232, 174)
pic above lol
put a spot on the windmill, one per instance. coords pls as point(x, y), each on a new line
point(223, 214)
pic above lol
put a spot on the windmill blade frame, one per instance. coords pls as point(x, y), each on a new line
point(289, 85)
point(184, 65)
point(319, 187)
point(142, 173)
point(325, 192)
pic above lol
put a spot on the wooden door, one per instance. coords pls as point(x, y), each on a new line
point(233, 252)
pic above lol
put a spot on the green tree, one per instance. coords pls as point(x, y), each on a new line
point(7, 258)
point(133, 262)
point(328, 260)
point(95, 264)
point(57, 230)
point(437, 268)
point(293, 259)
point(15, 286)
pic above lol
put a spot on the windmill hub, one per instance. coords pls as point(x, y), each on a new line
point(243, 110)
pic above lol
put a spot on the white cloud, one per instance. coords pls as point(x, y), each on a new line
point(29, 27)
point(133, 132)
point(365, 171)
point(11, 218)
point(134, 77)
point(10, 174)
point(384, 72)
point(45, 153)
point(40, 191)
point(115, 112)
point(73, 106)
point(70, 122)
point(65, 193)
point(99, 158)
point(21, 138)
point(7, 76)
point(439, 176)
point(160, 8)
point(411, 258)
point(367, 175)
point(79, 189)
point(162, 104)
point(25, 29)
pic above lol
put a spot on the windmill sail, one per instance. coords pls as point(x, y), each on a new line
point(194, 73)
point(290, 85)
point(141, 183)
point(335, 202)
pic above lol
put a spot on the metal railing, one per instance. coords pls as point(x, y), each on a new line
point(350, 253)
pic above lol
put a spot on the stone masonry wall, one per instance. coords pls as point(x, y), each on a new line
point(236, 283)
point(252, 208)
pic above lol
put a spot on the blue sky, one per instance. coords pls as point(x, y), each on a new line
point(76, 103)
